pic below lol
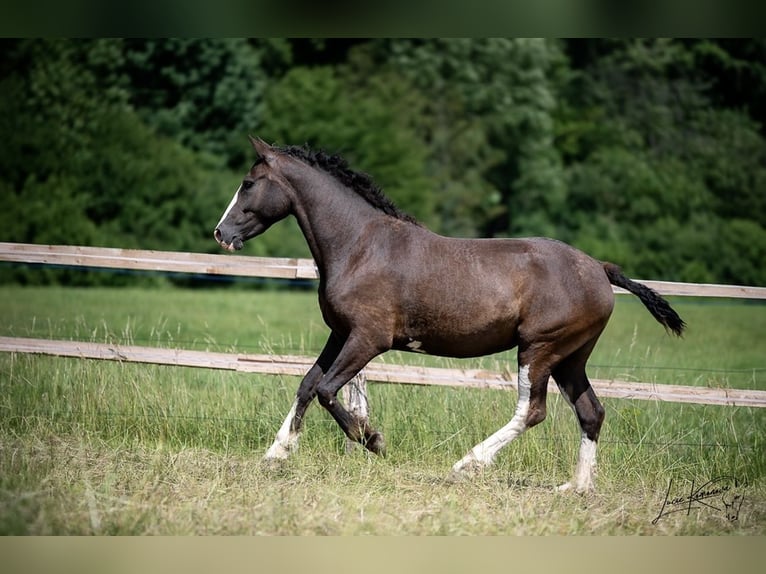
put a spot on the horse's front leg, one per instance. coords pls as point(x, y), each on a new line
point(288, 434)
point(350, 361)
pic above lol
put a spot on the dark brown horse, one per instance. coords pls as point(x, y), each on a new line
point(386, 282)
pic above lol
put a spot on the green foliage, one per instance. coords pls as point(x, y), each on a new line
point(206, 94)
point(490, 117)
point(668, 171)
point(324, 109)
point(650, 153)
point(85, 169)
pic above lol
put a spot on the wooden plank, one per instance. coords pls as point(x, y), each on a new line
point(273, 267)
point(293, 365)
point(701, 290)
point(106, 257)
point(679, 394)
point(127, 353)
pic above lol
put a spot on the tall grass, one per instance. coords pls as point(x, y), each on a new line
point(101, 447)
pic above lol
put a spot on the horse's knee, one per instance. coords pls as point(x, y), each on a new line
point(306, 395)
point(326, 397)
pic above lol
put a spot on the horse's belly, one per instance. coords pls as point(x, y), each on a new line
point(469, 343)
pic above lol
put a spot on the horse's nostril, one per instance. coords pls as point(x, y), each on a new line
point(217, 234)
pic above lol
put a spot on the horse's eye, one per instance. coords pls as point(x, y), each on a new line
point(247, 185)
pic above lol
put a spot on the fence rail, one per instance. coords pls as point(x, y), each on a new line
point(376, 371)
point(144, 260)
point(273, 267)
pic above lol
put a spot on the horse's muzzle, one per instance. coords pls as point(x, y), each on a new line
point(235, 244)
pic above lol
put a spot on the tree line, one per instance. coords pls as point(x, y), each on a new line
point(647, 152)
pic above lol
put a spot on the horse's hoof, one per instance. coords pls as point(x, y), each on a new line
point(273, 464)
point(376, 444)
point(464, 471)
point(455, 477)
point(577, 489)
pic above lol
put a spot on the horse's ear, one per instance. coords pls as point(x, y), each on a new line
point(263, 149)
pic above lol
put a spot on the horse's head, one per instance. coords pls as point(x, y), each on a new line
point(260, 201)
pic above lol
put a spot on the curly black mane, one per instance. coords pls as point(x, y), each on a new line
point(361, 183)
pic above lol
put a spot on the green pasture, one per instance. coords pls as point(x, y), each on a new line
point(89, 447)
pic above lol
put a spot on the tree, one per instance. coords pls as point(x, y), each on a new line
point(501, 92)
point(653, 155)
point(205, 94)
point(650, 153)
point(368, 123)
point(83, 168)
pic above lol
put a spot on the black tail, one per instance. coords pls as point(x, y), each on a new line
point(658, 307)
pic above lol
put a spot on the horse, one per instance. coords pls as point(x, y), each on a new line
point(387, 282)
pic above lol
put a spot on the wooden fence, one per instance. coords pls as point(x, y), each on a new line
point(376, 371)
point(296, 365)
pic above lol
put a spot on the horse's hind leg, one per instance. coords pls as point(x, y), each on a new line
point(530, 411)
point(576, 389)
point(354, 395)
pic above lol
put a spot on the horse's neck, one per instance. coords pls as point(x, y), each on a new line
point(330, 216)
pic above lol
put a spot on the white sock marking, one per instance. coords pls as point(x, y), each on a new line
point(586, 467)
point(586, 464)
point(286, 440)
point(484, 453)
point(354, 395)
point(232, 203)
point(586, 460)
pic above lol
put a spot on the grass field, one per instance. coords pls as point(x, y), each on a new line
point(108, 448)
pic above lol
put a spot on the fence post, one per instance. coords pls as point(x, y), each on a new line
point(354, 395)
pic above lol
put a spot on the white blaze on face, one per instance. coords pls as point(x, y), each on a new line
point(232, 203)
